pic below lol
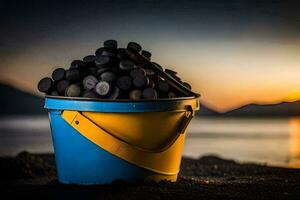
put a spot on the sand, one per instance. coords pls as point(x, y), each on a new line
point(34, 176)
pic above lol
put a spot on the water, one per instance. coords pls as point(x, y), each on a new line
point(270, 141)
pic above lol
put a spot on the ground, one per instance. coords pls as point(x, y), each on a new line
point(210, 177)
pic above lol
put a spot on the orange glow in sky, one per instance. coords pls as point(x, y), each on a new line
point(228, 74)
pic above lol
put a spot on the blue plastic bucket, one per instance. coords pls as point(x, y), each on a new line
point(81, 161)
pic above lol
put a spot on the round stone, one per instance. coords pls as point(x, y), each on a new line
point(108, 77)
point(73, 75)
point(135, 95)
point(146, 54)
point(171, 72)
point(89, 82)
point(77, 64)
point(124, 82)
point(73, 91)
point(137, 72)
point(89, 60)
point(103, 88)
point(89, 94)
point(58, 74)
point(150, 93)
point(110, 44)
point(171, 95)
point(99, 51)
point(102, 61)
point(133, 46)
point(141, 81)
point(126, 65)
point(115, 93)
point(163, 86)
point(62, 86)
point(45, 85)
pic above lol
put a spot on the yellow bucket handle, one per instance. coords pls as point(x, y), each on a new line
point(166, 162)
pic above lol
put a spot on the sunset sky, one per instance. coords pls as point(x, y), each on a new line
point(233, 53)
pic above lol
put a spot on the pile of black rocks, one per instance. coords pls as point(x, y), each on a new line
point(111, 74)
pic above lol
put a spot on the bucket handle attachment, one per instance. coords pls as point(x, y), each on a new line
point(189, 114)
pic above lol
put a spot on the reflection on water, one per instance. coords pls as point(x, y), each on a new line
point(294, 142)
point(271, 141)
point(247, 140)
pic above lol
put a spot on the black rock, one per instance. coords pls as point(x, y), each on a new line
point(149, 72)
point(102, 70)
point(108, 77)
point(99, 51)
point(124, 82)
point(122, 54)
point(141, 81)
point(45, 85)
point(90, 82)
point(91, 71)
point(73, 75)
point(163, 86)
point(126, 65)
point(133, 46)
point(155, 78)
point(62, 86)
point(108, 53)
point(135, 94)
point(115, 93)
point(171, 95)
point(73, 91)
point(58, 74)
point(116, 69)
point(89, 60)
point(110, 44)
point(89, 94)
point(102, 61)
point(177, 78)
point(150, 93)
point(171, 72)
point(137, 72)
point(103, 88)
point(54, 93)
point(136, 57)
point(114, 73)
point(78, 64)
point(146, 54)
point(159, 66)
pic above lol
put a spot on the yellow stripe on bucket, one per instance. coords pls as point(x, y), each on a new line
point(165, 162)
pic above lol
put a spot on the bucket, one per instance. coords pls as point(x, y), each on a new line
point(100, 141)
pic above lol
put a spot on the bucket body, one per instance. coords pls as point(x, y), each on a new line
point(98, 142)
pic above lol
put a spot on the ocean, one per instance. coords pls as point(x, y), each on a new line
point(275, 142)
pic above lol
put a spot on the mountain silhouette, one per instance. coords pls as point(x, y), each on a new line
point(285, 109)
point(14, 101)
point(207, 112)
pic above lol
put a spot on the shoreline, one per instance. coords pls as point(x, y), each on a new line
point(211, 177)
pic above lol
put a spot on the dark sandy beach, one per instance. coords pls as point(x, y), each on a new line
point(34, 176)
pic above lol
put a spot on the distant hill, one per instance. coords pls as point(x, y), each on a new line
point(205, 111)
point(14, 101)
point(285, 109)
